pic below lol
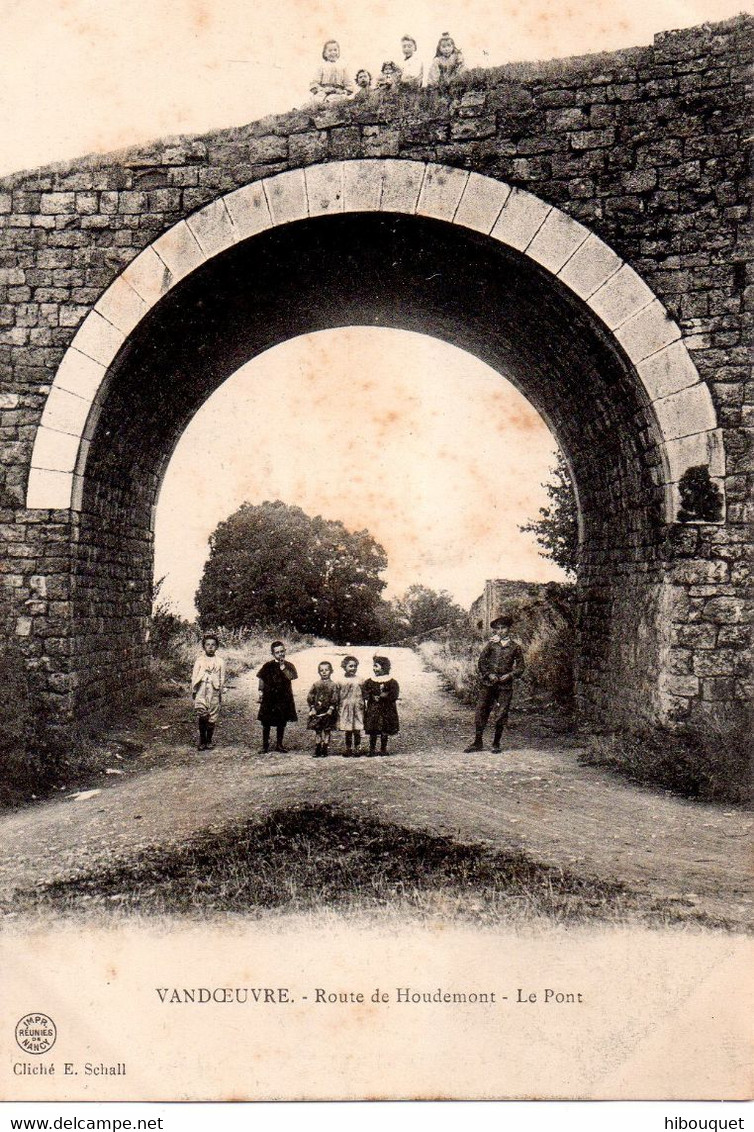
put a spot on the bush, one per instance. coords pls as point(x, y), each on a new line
point(704, 761)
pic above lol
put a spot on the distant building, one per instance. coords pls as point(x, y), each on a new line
point(499, 595)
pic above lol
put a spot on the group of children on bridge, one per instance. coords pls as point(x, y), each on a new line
point(349, 705)
point(333, 83)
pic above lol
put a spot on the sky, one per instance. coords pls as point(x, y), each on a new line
point(439, 457)
point(78, 76)
point(446, 487)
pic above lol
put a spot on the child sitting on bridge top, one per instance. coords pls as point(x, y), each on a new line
point(331, 82)
point(412, 68)
point(363, 84)
point(390, 76)
point(447, 64)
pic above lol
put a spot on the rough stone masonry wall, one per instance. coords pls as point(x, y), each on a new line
point(646, 147)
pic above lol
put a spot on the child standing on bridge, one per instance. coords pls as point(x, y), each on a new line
point(207, 683)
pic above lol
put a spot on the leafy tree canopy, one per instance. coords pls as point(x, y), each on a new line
point(557, 528)
point(421, 609)
point(272, 564)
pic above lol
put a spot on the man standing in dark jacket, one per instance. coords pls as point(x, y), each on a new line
point(500, 662)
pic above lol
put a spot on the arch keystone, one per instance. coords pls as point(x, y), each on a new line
point(362, 185)
point(401, 185)
point(324, 188)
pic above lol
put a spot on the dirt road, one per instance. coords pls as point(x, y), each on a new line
point(533, 797)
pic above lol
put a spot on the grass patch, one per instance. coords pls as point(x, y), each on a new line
point(706, 762)
point(320, 857)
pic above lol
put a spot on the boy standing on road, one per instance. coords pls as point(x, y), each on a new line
point(500, 662)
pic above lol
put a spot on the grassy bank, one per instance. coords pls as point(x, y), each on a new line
point(317, 858)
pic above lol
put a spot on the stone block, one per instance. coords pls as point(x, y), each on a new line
point(324, 188)
point(520, 220)
point(80, 375)
point(718, 689)
point(647, 332)
point(362, 186)
point(721, 662)
point(622, 296)
point(286, 196)
point(179, 250)
point(694, 572)
point(589, 267)
point(122, 305)
point(65, 412)
point(685, 413)
point(699, 636)
point(212, 228)
point(248, 210)
point(675, 684)
point(667, 371)
point(23, 627)
point(557, 240)
point(441, 192)
point(98, 339)
point(54, 451)
point(700, 448)
point(148, 276)
point(308, 147)
point(728, 611)
point(482, 202)
point(401, 185)
point(49, 490)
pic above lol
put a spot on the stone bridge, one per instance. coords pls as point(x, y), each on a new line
point(576, 224)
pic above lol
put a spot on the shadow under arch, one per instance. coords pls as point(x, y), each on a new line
point(415, 246)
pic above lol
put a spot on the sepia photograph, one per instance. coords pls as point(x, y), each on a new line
point(376, 588)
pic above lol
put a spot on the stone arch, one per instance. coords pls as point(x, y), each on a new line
point(679, 403)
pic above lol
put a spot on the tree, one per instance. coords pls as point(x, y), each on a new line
point(557, 529)
point(422, 609)
point(272, 564)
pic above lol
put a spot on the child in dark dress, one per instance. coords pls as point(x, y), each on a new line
point(323, 708)
point(380, 713)
point(276, 706)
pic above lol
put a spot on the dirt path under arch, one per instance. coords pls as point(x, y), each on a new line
point(534, 797)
